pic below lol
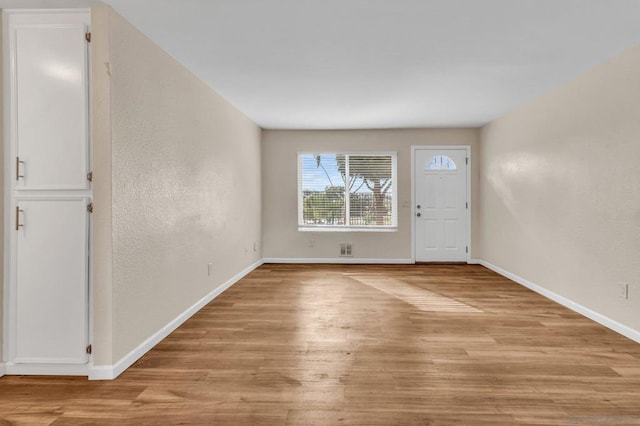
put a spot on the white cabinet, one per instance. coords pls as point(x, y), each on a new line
point(48, 122)
point(51, 291)
point(49, 91)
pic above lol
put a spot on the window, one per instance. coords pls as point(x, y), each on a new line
point(347, 191)
point(441, 162)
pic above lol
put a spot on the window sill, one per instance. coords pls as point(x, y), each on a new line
point(345, 229)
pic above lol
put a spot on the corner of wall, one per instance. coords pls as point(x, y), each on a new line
point(478, 175)
point(101, 280)
point(2, 199)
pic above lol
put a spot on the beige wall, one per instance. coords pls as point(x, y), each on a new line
point(279, 185)
point(560, 190)
point(185, 186)
point(1, 198)
point(101, 260)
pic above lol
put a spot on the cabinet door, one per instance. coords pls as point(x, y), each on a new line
point(51, 280)
point(50, 105)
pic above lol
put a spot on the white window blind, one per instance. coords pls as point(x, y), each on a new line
point(347, 191)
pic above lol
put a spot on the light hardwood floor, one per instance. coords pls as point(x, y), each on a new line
point(366, 345)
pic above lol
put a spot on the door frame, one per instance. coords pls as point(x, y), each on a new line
point(8, 243)
point(415, 148)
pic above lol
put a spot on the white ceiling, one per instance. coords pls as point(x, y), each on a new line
point(344, 64)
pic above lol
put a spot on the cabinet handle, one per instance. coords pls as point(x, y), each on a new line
point(18, 224)
point(18, 162)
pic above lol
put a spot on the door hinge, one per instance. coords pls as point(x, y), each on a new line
point(466, 160)
point(89, 349)
point(466, 249)
point(466, 205)
point(90, 207)
point(87, 36)
point(90, 176)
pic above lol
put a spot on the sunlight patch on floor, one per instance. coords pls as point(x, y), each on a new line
point(418, 297)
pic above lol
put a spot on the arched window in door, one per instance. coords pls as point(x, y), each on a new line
point(440, 162)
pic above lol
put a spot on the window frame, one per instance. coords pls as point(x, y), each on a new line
point(350, 228)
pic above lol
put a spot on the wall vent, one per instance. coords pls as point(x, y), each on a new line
point(346, 249)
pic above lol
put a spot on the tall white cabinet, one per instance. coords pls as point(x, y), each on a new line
point(48, 191)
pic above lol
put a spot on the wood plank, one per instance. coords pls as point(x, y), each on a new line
point(360, 345)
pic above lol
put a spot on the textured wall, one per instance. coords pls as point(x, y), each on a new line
point(280, 189)
point(560, 189)
point(185, 183)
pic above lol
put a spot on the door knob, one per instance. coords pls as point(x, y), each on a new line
point(418, 206)
point(418, 214)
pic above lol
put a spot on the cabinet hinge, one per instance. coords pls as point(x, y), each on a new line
point(90, 207)
point(87, 36)
point(89, 349)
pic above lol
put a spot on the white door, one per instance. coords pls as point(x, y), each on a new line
point(441, 205)
point(48, 288)
point(51, 275)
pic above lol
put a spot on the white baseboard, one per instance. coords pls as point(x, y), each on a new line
point(106, 372)
point(595, 316)
point(2, 370)
point(331, 260)
point(109, 372)
point(11, 368)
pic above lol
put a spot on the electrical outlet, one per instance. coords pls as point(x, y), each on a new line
point(255, 246)
point(623, 290)
point(209, 269)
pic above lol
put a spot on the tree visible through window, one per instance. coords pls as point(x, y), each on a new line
point(347, 190)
